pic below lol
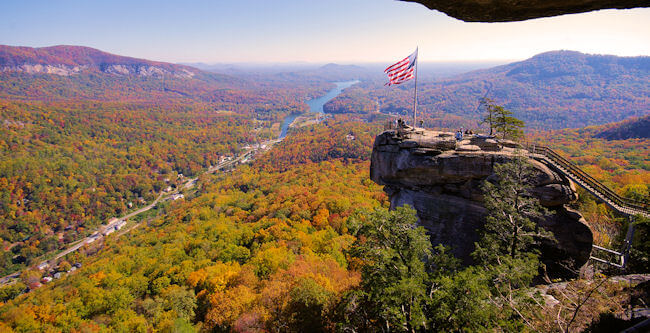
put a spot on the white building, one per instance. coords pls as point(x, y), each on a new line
point(120, 224)
point(108, 230)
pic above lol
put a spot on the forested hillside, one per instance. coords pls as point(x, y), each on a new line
point(634, 128)
point(86, 136)
point(616, 163)
point(67, 168)
point(256, 249)
point(86, 58)
point(561, 89)
point(76, 73)
point(289, 243)
point(292, 242)
point(622, 165)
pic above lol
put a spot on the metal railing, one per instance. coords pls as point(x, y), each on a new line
point(620, 263)
point(623, 205)
point(389, 125)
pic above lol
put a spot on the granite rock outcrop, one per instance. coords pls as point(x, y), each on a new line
point(441, 178)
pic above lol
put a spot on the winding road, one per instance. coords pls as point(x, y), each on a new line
point(315, 104)
point(96, 235)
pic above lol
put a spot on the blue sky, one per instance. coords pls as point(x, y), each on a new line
point(319, 31)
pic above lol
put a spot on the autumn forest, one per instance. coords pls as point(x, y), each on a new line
point(286, 235)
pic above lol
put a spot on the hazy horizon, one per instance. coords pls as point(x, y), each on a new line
point(284, 31)
point(361, 64)
point(320, 63)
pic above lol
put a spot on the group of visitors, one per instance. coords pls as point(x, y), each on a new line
point(400, 123)
point(460, 133)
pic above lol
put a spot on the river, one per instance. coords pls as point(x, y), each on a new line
point(316, 104)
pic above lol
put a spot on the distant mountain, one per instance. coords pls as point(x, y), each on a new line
point(635, 128)
point(66, 72)
point(556, 89)
point(427, 71)
point(253, 68)
point(333, 72)
point(70, 60)
point(555, 65)
point(336, 68)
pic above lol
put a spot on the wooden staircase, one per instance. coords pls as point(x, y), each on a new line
point(624, 206)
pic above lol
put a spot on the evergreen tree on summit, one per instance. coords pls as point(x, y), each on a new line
point(501, 121)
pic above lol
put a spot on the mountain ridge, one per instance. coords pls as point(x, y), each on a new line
point(578, 60)
point(70, 60)
point(632, 128)
point(556, 89)
point(80, 72)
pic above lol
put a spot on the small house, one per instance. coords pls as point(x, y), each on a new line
point(108, 230)
point(34, 285)
point(120, 224)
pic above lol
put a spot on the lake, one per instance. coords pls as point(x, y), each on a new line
point(316, 104)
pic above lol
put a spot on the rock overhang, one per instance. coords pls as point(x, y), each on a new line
point(511, 10)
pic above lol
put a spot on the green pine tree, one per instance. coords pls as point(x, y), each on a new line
point(394, 274)
point(510, 227)
point(490, 115)
point(507, 248)
point(501, 121)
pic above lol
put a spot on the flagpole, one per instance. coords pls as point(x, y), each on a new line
point(415, 96)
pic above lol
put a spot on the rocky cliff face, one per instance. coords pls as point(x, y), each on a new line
point(441, 179)
point(68, 60)
point(116, 69)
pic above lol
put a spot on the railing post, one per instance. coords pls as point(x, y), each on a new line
point(628, 241)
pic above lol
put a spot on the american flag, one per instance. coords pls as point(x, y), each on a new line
point(402, 70)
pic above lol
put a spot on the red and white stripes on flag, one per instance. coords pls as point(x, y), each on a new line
point(402, 70)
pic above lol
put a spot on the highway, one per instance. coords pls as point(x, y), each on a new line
point(97, 235)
